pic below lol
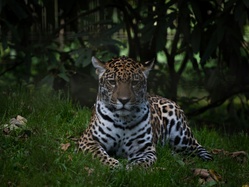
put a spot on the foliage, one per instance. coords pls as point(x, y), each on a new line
point(39, 158)
point(198, 45)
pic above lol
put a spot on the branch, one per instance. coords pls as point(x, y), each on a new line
point(207, 107)
point(217, 102)
point(11, 68)
point(183, 65)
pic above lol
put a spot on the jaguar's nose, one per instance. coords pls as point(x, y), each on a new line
point(124, 100)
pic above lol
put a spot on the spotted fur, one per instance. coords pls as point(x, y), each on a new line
point(127, 122)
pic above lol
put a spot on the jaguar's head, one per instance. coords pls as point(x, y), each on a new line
point(122, 83)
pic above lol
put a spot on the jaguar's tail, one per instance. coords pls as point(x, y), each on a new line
point(203, 153)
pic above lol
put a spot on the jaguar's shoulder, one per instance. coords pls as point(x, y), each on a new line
point(161, 106)
point(159, 100)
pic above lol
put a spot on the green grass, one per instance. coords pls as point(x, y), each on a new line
point(38, 159)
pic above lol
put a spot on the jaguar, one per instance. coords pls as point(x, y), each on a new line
point(128, 122)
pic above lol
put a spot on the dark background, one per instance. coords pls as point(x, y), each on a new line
point(200, 49)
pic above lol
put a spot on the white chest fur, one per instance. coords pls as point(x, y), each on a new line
point(122, 133)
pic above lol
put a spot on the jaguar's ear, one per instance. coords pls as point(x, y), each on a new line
point(100, 66)
point(148, 66)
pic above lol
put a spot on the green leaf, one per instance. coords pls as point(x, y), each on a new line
point(4, 42)
point(2, 4)
point(84, 58)
point(240, 14)
point(47, 81)
point(18, 9)
point(161, 36)
point(196, 10)
point(246, 2)
point(147, 31)
point(64, 76)
point(196, 39)
point(214, 41)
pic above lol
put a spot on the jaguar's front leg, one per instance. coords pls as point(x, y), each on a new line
point(144, 158)
point(88, 145)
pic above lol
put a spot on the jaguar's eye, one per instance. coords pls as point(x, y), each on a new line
point(112, 82)
point(134, 83)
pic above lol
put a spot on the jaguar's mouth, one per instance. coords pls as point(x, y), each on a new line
point(122, 109)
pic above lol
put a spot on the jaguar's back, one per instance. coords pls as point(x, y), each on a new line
point(128, 122)
point(170, 126)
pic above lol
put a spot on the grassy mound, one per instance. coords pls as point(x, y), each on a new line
point(41, 151)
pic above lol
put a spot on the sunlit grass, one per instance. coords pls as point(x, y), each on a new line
point(32, 156)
